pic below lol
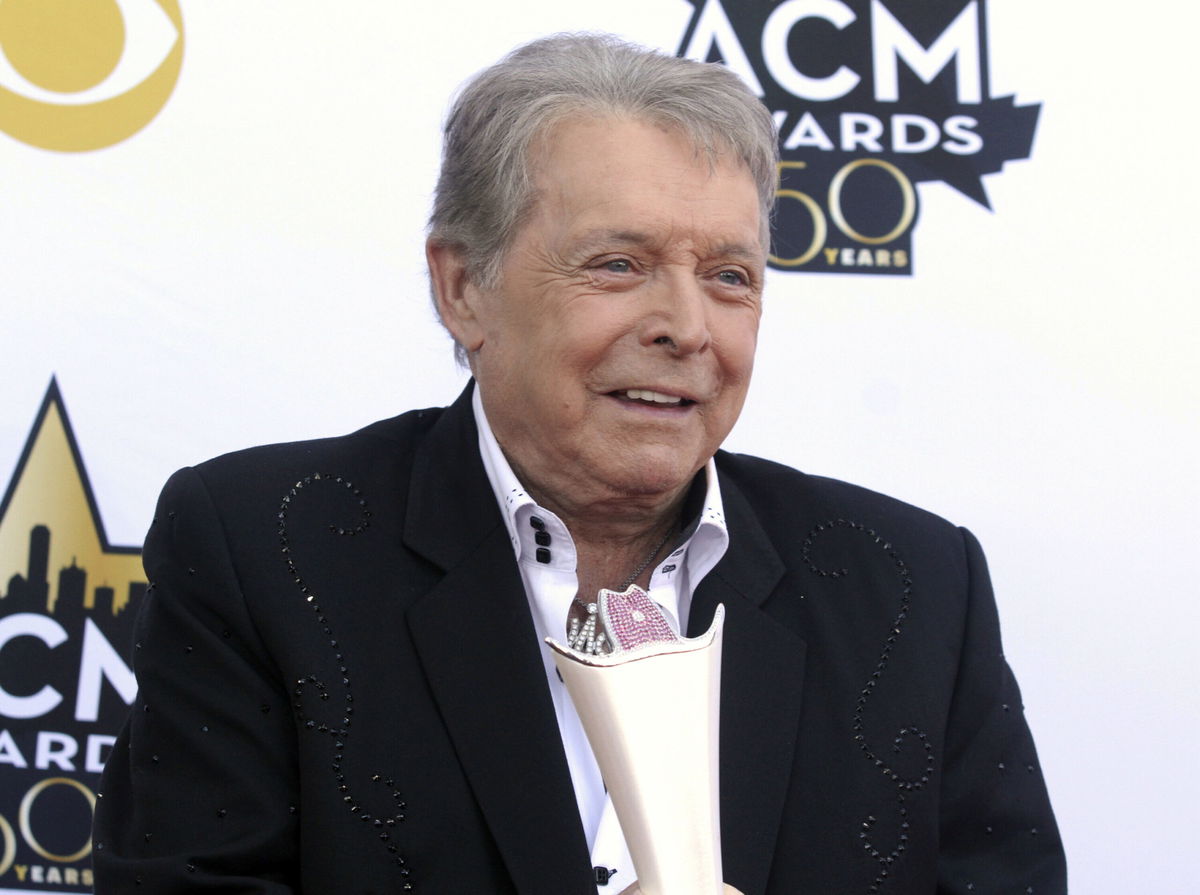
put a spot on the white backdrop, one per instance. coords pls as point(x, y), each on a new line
point(249, 268)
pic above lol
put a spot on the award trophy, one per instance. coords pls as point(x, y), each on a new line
point(650, 710)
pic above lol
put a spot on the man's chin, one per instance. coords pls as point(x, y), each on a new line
point(653, 477)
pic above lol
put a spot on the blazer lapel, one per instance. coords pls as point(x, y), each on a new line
point(762, 674)
point(474, 635)
point(475, 638)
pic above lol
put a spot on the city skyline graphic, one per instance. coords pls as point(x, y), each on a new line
point(55, 557)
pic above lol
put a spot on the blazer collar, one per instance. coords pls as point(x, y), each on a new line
point(762, 677)
point(474, 635)
point(450, 510)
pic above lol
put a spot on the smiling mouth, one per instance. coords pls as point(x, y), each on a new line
point(651, 398)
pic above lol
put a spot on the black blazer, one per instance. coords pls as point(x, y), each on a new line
point(341, 690)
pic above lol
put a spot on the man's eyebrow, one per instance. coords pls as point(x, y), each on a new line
point(738, 250)
point(603, 238)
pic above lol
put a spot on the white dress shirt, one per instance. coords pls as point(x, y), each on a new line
point(548, 572)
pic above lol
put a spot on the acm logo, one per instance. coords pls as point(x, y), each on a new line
point(870, 97)
point(79, 75)
point(67, 603)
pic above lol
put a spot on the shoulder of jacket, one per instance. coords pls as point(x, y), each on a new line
point(775, 488)
point(399, 433)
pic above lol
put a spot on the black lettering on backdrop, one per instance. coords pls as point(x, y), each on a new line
point(870, 97)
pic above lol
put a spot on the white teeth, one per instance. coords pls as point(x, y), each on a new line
point(644, 394)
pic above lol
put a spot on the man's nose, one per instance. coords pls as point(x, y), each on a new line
point(677, 316)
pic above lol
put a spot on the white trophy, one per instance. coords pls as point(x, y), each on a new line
point(651, 710)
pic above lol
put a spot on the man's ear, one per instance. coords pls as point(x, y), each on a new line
point(456, 297)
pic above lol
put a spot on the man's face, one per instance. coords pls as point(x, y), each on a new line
point(614, 355)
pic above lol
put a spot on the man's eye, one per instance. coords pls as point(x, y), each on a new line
point(618, 265)
point(731, 278)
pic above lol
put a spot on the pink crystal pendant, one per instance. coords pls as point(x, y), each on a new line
point(617, 622)
point(632, 619)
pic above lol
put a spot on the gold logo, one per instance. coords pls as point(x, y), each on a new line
point(52, 542)
point(77, 75)
point(61, 699)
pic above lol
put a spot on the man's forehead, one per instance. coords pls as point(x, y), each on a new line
point(613, 181)
point(614, 144)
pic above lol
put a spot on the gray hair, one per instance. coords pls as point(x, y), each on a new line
point(485, 188)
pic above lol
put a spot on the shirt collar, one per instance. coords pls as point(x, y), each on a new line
point(517, 506)
point(706, 540)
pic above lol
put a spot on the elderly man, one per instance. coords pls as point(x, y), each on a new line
point(343, 681)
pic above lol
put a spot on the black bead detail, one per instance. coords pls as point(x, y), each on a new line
point(312, 683)
point(906, 787)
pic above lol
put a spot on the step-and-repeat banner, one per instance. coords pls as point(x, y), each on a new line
point(982, 299)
